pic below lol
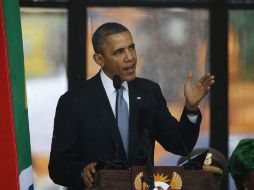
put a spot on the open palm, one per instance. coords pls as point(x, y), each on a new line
point(195, 92)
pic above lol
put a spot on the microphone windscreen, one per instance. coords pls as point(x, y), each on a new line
point(117, 81)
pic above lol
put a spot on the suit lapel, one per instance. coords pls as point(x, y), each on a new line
point(106, 116)
point(103, 109)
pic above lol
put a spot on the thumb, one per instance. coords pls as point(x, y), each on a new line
point(93, 166)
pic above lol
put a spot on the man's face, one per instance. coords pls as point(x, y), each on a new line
point(119, 56)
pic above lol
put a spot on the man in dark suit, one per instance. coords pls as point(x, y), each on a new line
point(85, 128)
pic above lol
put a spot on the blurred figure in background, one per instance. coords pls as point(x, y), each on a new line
point(214, 161)
point(241, 165)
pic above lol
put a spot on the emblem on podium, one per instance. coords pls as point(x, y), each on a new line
point(161, 182)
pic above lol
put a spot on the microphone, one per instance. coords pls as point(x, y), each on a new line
point(194, 161)
point(144, 128)
point(118, 163)
point(146, 147)
point(117, 86)
point(117, 82)
point(190, 163)
point(187, 152)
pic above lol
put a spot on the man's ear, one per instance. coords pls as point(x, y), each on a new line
point(98, 59)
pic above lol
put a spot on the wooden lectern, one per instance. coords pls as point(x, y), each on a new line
point(169, 178)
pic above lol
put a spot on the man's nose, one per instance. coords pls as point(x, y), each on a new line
point(128, 55)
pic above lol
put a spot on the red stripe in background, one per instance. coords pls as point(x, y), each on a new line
point(9, 177)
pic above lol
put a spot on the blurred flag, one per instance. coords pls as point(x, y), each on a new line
point(15, 153)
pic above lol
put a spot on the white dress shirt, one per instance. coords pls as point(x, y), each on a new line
point(111, 91)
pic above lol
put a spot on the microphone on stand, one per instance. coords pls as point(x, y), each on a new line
point(190, 163)
point(117, 82)
point(149, 162)
point(117, 85)
point(146, 148)
point(117, 163)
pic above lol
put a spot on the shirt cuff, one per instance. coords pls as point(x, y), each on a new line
point(193, 118)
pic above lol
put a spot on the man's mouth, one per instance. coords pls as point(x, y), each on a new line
point(129, 69)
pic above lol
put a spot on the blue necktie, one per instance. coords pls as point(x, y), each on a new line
point(123, 120)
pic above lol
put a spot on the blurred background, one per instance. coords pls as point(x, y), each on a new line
point(170, 36)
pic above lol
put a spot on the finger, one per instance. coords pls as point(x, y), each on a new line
point(89, 174)
point(92, 167)
point(189, 75)
point(208, 82)
point(87, 182)
point(90, 170)
point(204, 78)
point(89, 178)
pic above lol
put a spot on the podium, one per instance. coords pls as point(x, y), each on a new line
point(168, 178)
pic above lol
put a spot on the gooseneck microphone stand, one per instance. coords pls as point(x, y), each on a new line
point(148, 177)
point(117, 85)
point(118, 163)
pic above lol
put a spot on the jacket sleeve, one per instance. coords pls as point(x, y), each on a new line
point(178, 137)
point(64, 167)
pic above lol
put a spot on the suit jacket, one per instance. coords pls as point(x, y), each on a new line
point(85, 128)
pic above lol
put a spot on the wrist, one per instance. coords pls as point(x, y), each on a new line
point(191, 110)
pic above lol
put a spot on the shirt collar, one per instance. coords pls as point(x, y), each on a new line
point(108, 84)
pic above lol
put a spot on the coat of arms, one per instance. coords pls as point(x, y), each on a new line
point(161, 182)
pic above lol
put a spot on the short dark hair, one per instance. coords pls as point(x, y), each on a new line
point(103, 32)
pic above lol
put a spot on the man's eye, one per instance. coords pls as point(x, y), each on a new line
point(132, 46)
point(119, 51)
